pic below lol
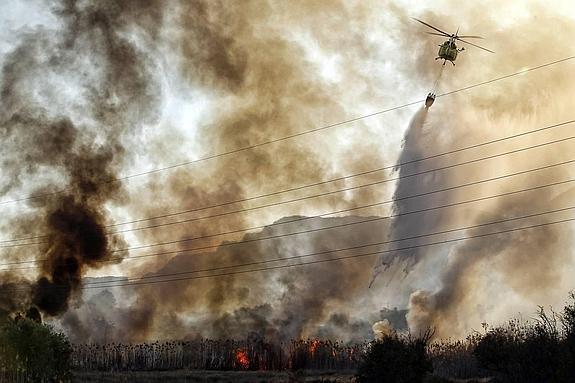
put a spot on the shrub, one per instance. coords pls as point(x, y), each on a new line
point(543, 351)
point(395, 358)
point(34, 350)
point(567, 362)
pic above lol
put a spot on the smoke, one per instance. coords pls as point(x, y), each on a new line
point(283, 304)
point(530, 262)
point(118, 88)
point(491, 279)
point(264, 87)
point(382, 329)
point(71, 97)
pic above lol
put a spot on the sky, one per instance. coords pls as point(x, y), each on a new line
point(96, 90)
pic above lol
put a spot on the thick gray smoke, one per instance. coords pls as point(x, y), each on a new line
point(287, 303)
point(264, 86)
point(71, 98)
point(116, 88)
point(523, 268)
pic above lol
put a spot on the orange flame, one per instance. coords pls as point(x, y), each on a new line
point(313, 346)
point(242, 359)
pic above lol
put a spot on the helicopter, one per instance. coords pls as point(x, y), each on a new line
point(448, 50)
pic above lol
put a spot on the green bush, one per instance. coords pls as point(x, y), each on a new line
point(34, 350)
point(396, 359)
point(543, 351)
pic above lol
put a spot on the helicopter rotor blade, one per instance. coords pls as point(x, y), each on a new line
point(475, 45)
point(431, 26)
point(470, 37)
point(438, 34)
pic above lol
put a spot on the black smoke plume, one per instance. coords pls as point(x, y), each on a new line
point(71, 98)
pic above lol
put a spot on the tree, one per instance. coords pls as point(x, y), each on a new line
point(35, 350)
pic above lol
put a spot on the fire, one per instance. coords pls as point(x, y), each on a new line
point(313, 346)
point(242, 359)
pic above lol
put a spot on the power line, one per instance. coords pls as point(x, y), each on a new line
point(388, 167)
point(354, 247)
point(345, 224)
point(348, 189)
point(388, 201)
point(336, 259)
point(507, 76)
point(305, 132)
point(134, 282)
point(325, 193)
point(346, 210)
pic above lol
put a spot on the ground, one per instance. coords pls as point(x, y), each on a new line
point(214, 376)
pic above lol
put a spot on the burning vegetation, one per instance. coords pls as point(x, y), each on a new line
point(534, 351)
point(242, 359)
point(207, 354)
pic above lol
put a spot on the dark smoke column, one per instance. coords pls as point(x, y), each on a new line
point(71, 98)
point(77, 240)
